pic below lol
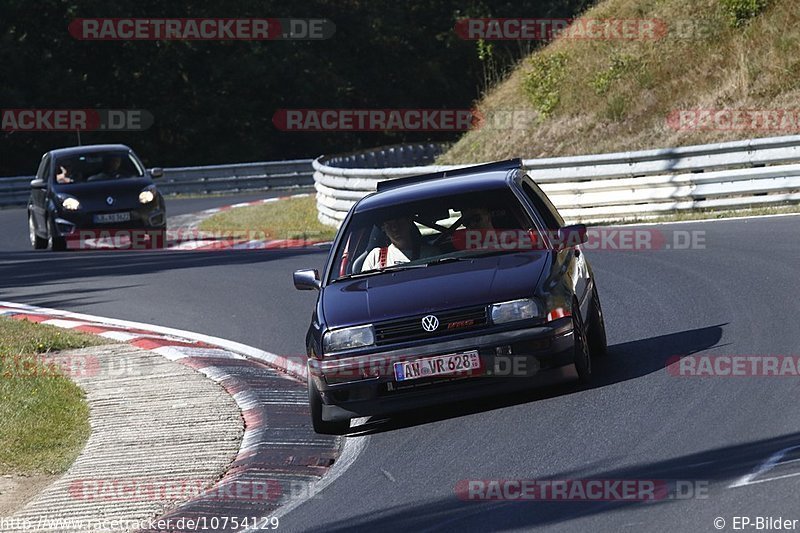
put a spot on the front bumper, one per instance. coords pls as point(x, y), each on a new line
point(149, 216)
point(511, 360)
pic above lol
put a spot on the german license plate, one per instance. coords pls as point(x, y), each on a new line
point(111, 218)
point(441, 365)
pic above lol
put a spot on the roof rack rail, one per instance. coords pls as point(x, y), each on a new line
point(508, 164)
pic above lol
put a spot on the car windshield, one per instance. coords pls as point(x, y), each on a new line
point(437, 230)
point(96, 166)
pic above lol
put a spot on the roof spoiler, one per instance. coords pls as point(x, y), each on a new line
point(508, 164)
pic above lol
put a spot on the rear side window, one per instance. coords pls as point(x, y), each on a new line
point(542, 204)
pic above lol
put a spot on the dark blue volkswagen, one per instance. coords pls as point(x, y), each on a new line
point(448, 286)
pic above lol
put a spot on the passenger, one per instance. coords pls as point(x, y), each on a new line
point(477, 218)
point(64, 176)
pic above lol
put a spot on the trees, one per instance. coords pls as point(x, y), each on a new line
point(213, 101)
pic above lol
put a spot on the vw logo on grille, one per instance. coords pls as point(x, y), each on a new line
point(110, 200)
point(430, 323)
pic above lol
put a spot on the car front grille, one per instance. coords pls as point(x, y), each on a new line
point(408, 329)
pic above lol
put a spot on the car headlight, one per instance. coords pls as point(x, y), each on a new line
point(70, 203)
point(147, 195)
point(514, 310)
point(346, 338)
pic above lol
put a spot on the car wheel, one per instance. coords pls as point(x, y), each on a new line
point(583, 359)
point(38, 243)
point(598, 345)
point(323, 427)
point(54, 241)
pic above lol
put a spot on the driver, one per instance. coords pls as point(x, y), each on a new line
point(110, 171)
point(406, 245)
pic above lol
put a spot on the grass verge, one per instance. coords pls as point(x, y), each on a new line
point(44, 419)
point(292, 218)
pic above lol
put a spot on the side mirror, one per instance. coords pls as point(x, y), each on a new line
point(157, 172)
point(573, 235)
point(306, 279)
point(38, 184)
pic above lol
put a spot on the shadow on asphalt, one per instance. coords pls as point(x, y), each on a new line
point(717, 467)
point(29, 269)
point(625, 361)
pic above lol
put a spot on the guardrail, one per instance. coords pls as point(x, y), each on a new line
point(15, 190)
point(199, 180)
point(610, 187)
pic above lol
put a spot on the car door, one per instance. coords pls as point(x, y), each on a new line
point(577, 267)
point(38, 201)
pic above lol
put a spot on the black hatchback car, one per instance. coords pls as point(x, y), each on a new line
point(448, 286)
point(97, 187)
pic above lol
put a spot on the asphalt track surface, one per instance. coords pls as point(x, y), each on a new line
point(739, 296)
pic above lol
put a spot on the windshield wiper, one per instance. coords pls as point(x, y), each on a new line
point(447, 260)
point(372, 272)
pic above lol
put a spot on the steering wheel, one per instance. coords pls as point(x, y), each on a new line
point(447, 235)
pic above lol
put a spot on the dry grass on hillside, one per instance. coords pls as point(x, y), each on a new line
point(616, 95)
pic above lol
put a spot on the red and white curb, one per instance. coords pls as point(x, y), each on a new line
point(215, 210)
point(278, 446)
point(201, 244)
point(174, 344)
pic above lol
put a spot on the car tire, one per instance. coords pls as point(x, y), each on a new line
point(55, 242)
point(583, 358)
point(38, 243)
point(598, 345)
point(323, 427)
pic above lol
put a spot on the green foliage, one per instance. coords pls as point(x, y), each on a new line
point(543, 79)
point(21, 337)
point(620, 64)
point(616, 108)
point(485, 50)
point(213, 102)
point(741, 11)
